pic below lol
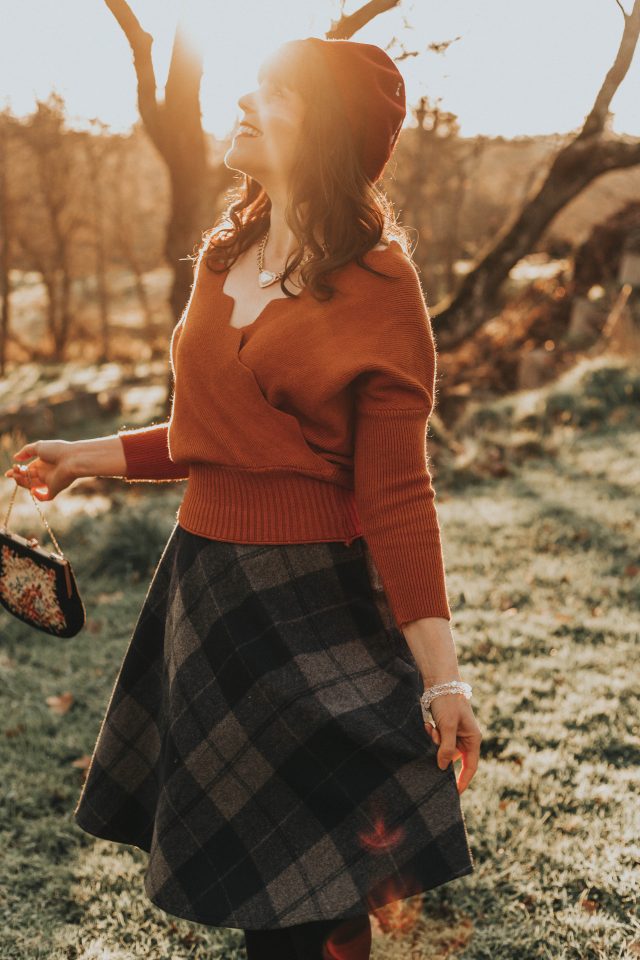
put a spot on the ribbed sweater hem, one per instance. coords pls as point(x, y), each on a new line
point(249, 506)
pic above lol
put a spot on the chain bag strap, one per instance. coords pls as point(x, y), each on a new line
point(5, 525)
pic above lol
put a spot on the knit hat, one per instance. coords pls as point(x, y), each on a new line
point(371, 89)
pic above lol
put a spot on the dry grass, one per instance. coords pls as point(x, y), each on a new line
point(543, 575)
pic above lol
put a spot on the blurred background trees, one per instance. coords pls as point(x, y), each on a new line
point(97, 228)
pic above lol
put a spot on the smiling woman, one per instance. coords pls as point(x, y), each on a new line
point(310, 156)
point(274, 115)
point(247, 130)
point(265, 739)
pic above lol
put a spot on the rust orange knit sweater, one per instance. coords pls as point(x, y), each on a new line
point(309, 424)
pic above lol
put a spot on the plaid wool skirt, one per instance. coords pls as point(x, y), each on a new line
point(264, 741)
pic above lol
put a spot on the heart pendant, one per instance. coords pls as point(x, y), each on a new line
point(266, 278)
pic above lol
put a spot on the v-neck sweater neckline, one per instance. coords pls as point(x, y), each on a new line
point(310, 429)
point(229, 300)
point(298, 298)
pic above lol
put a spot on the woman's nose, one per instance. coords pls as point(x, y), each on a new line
point(245, 101)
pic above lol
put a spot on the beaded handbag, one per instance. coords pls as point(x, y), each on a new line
point(37, 586)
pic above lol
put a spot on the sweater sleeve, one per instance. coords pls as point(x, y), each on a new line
point(395, 498)
point(146, 449)
point(147, 454)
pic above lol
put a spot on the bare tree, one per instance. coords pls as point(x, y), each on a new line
point(46, 231)
point(175, 128)
point(592, 153)
point(96, 148)
point(6, 231)
point(429, 187)
point(131, 241)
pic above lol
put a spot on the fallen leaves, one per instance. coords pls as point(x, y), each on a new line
point(82, 763)
point(109, 597)
point(62, 703)
point(399, 917)
point(15, 731)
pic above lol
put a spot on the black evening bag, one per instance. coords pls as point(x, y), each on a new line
point(37, 586)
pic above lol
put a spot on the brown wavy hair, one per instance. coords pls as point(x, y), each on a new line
point(327, 190)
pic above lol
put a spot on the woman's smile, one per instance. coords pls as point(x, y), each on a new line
point(246, 130)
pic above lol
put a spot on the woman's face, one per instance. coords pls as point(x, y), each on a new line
point(276, 111)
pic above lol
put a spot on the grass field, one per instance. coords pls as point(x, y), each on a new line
point(544, 581)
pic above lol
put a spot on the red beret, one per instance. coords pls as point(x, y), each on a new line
point(372, 91)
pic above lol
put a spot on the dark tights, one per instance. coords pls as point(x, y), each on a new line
point(345, 939)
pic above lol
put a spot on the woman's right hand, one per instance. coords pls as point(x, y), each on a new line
point(51, 470)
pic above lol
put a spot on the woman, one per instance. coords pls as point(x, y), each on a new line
point(265, 741)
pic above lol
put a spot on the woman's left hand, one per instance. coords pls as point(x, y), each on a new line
point(457, 734)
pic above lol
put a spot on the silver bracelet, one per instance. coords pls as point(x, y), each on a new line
point(439, 689)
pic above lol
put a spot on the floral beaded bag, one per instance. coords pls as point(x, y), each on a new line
point(37, 586)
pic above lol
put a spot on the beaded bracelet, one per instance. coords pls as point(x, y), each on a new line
point(452, 686)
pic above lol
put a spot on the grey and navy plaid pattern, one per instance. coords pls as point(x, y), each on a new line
point(264, 741)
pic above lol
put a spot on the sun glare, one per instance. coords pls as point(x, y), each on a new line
point(490, 75)
point(232, 54)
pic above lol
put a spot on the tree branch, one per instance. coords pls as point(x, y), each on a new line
point(140, 42)
point(595, 122)
point(348, 24)
point(624, 12)
point(591, 154)
point(182, 91)
point(618, 153)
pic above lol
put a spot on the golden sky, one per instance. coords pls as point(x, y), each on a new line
point(520, 67)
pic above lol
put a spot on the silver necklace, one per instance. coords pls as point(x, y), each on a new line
point(267, 277)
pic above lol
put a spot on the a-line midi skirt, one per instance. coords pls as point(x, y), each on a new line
point(264, 741)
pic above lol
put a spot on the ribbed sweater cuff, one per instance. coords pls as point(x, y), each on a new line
point(146, 451)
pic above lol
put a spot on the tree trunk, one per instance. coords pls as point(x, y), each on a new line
point(95, 158)
point(5, 240)
point(591, 154)
point(574, 168)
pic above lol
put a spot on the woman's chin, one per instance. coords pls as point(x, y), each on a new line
point(233, 163)
point(236, 158)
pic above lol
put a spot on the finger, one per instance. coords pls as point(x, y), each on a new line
point(36, 484)
point(468, 770)
point(443, 759)
point(470, 761)
point(26, 476)
point(19, 477)
point(29, 450)
point(448, 748)
point(456, 751)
